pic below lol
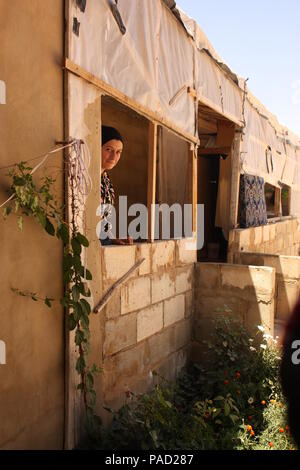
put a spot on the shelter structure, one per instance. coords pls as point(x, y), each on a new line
point(193, 134)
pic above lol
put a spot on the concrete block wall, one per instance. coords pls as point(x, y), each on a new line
point(282, 238)
point(148, 321)
point(248, 292)
point(287, 278)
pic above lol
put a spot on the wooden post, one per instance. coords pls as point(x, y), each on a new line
point(235, 181)
point(195, 191)
point(152, 153)
point(277, 203)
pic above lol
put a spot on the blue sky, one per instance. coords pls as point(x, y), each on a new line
point(259, 39)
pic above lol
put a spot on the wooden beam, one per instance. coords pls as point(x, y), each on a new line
point(192, 92)
point(125, 100)
point(215, 151)
point(208, 125)
point(152, 152)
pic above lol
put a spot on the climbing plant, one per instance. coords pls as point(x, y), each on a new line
point(38, 201)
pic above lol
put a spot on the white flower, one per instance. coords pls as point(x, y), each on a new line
point(225, 344)
point(268, 336)
point(250, 400)
point(263, 346)
point(251, 340)
point(261, 328)
point(252, 348)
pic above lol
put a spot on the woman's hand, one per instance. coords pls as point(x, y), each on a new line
point(122, 241)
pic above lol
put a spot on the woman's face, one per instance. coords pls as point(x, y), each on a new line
point(111, 153)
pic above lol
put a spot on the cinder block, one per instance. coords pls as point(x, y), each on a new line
point(161, 345)
point(130, 362)
point(211, 304)
point(163, 255)
point(289, 267)
point(280, 244)
point(258, 235)
point(163, 286)
point(184, 279)
point(259, 279)
point(272, 232)
point(261, 313)
point(120, 333)
point(266, 233)
point(116, 261)
point(123, 365)
point(174, 310)
point(135, 294)
point(149, 321)
point(184, 253)
point(143, 250)
point(183, 334)
point(244, 239)
point(113, 307)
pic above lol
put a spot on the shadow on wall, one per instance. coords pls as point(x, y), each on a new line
point(287, 279)
point(244, 292)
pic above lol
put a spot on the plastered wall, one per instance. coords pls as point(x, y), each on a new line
point(287, 278)
point(244, 292)
point(282, 237)
point(148, 321)
point(31, 119)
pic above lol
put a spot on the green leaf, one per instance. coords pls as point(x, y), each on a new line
point(85, 321)
point(49, 227)
point(89, 380)
point(6, 211)
point(84, 289)
point(35, 203)
point(226, 409)
point(20, 223)
point(48, 302)
point(64, 302)
point(88, 274)
point(80, 365)
point(71, 322)
point(79, 337)
point(68, 261)
point(41, 218)
point(92, 397)
point(19, 181)
point(77, 311)
point(77, 263)
point(82, 240)
point(75, 293)
point(76, 246)
point(63, 233)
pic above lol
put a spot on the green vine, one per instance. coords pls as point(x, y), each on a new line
point(38, 202)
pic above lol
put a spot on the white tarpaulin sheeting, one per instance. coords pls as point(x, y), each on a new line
point(155, 61)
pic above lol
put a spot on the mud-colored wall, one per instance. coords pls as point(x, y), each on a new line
point(148, 321)
point(32, 380)
point(281, 238)
point(287, 278)
point(244, 292)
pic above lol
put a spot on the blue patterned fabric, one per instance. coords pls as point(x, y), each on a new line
point(252, 202)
